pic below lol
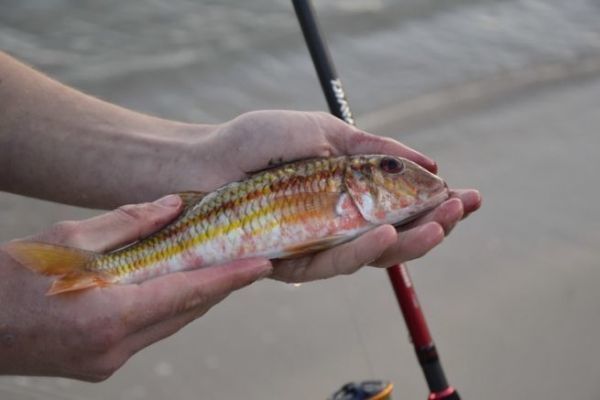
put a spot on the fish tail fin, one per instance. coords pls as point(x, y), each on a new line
point(66, 263)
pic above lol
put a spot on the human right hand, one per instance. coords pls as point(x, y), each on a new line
point(258, 139)
point(90, 334)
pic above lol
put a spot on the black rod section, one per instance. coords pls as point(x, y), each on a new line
point(330, 83)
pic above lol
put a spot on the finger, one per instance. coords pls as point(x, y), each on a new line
point(113, 229)
point(126, 224)
point(162, 298)
point(446, 214)
point(359, 142)
point(470, 198)
point(412, 244)
point(342, 259)
point(161, 330)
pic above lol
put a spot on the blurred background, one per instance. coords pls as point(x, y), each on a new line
point(504, 94)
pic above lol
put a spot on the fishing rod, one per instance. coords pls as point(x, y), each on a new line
point(398, 274)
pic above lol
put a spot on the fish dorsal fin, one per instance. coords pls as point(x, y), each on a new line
point(278, 163)
point(191, 198)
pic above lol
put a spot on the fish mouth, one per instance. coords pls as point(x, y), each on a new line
point(425, 207)
point(437, 198)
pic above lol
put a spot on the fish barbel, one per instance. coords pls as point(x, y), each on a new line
point(286, 211)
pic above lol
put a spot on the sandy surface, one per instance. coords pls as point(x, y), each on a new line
point(511, 296)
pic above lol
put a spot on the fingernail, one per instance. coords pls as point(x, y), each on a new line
point(258, 267)
point(475, 198)
point(426, 229)
point(267, 270)
point(427, 163)
point(380, 254)
point(171, 200)
point(451, 205)
point(371, 262)
point(433, 167)
point(432, 229)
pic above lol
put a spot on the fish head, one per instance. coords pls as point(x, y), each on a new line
point(392, 190)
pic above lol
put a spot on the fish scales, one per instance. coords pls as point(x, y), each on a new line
point(287, 211)
point(270, 211)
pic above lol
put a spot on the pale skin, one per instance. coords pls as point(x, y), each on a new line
point(104, 156)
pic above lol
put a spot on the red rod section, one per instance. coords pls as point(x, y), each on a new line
point(409, 303)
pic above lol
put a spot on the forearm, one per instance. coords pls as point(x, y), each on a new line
point(59, 144)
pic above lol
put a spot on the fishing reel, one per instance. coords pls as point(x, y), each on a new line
point(367, 390)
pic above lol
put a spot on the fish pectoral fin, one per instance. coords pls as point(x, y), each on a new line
point(78, 281)
point(312, 246)
point(191, 198)
point(65, 262)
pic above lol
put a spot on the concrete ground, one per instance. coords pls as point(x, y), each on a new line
point(512, 296)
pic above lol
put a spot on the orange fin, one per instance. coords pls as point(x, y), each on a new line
point(313, 246)
point(77, 281)
point(52, 260)
point(48, 259)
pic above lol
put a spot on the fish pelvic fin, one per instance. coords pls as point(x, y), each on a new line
point(78, 281)
point(66, 263)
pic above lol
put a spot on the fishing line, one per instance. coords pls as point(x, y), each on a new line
point(361, 339)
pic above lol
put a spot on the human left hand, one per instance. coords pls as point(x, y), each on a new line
point(91, 334)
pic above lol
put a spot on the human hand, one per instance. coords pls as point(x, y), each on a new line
point(258, 139)
point(90, 334)
point(254, 140)
point(382, 246)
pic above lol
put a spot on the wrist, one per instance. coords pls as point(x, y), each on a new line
point(163, 157)
point(185, 156)
point(103, 155)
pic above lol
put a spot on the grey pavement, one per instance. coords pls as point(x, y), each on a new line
point(511, 296)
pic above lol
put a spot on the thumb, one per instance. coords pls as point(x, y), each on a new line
point(175, 294)
point(164, 305)
point(117, 228)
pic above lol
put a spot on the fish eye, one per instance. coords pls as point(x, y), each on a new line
point(391, 165)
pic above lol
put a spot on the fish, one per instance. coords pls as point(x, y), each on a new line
point(282, 212)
